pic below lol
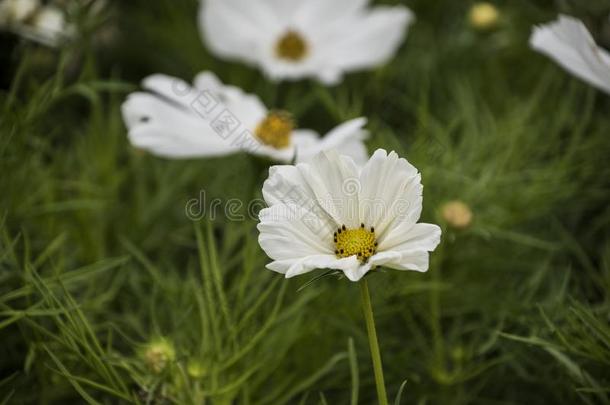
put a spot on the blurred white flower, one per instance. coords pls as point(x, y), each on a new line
point(49, 26)
point(176, 120)
point(569, 43)
point(16, 11)
point(333, 214)
point(294, 39)
point(45, 24)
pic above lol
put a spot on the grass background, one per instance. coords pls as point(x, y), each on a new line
point(98, 259)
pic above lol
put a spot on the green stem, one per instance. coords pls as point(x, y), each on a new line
point(435, 316)
point(365, 298)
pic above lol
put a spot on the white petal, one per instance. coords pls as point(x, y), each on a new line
point(284, 10)
point(167, 130)
point(282, 180)
point(408, 250)
point(287, 185)
point(337, 180)
point(421, 236)
point(390, 193)
point(246, 107)
point(171, 88)
point(236, 29)
point(320, 184)
point(348, 138)
point(292, 268)
point(284, 155)
point(368, 40)
point(208, 81)
point(289, 231)
point(327, 262)
point(302, 265)
point(277, 69)
point(304, 140)
point(355, 273)
point(317, 12)
point(417, 260)
point(569, 43)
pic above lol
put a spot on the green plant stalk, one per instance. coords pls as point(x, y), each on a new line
point(435, 318)
point(367, 308)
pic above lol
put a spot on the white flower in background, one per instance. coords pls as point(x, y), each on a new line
point(49, 26)
point(45, 24)
point(294, 39)
point(176, 120)
point(333, 214)
point(17, 11)
point(569, 43)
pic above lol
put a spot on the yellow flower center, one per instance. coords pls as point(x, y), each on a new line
point(457, 214)
point(484, 16)
point(275, 129)
point(360, 242)
point(291, 46)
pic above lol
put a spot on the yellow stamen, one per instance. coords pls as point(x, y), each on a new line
point(360, 242)
point(275, 129)
point(291, 46)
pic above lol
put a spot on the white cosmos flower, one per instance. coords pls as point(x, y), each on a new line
point(49, 26)
point(333, 214)
point(16, 11)
point(569, 43)
point(45, 24)
point(294, 39)
point(176, 120)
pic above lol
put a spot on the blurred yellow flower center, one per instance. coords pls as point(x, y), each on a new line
point(484, 16)
point(360, 242)
point(291, 46)
point(275, 129)
point(457, 214)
